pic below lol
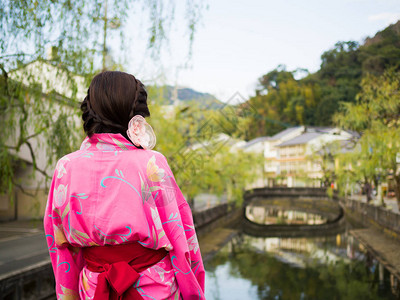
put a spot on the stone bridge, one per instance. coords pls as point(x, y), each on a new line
point(308, 200)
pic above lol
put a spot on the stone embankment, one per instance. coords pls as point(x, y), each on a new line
point(215, 227)
point(377, 216)
point(381, 235)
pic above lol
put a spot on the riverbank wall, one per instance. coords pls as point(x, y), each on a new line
point(219, 216)
point(380, 235)
point(376, 216)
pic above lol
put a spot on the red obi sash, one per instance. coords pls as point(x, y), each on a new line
point(119, 266)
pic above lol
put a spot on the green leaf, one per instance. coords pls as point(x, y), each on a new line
point(154, 238)
point(66, 210)
point(82, 234)
point(155, 188)
point(76, 239)
point(121, 145)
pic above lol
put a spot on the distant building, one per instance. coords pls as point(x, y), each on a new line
point(294, 155)
point(272, 165)
point(256, 145)
point(287, 154)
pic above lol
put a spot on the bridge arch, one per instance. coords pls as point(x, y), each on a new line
point(308, 200)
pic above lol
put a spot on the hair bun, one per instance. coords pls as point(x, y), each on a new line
point(112, 99)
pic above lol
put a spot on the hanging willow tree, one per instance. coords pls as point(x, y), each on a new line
point(49, 52)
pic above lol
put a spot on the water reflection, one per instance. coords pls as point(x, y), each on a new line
point(335, 267)
point(267, 215)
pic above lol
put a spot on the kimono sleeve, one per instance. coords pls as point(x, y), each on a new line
point(66, 260)
point(185, 255)
point(192, 243)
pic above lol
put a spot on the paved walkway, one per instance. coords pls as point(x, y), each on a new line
point(22, 245)
point(385, 249)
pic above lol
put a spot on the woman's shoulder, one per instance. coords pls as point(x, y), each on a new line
point(157, 154)
point(67, 159)
point(138, 157)
point(143, 156)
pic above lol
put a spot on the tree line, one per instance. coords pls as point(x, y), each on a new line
point(282, 100)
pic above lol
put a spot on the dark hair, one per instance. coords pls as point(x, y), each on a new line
point(113, 98)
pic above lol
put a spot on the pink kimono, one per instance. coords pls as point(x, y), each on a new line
point(110, 192)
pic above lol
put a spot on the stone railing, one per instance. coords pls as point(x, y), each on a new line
point(286, 192)
point(375, 215)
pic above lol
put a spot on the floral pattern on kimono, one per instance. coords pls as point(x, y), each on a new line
point(108, 193)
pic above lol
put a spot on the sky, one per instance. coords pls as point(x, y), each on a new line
point(239, 41)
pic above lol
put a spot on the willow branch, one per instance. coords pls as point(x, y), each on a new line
point(23, 189)
point(34, 135)
point(35, 167)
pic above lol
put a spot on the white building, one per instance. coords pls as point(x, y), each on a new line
point(272, 165)
point(294, 155)
point(57, 90)
point(287, 154)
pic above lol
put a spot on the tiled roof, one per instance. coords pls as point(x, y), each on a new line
point(301, 139)
point(284, 132)
point(319, 129)
point(256, 140)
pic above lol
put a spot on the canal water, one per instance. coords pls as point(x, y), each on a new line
point(325, 267)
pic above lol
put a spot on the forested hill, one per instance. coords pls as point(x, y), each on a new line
point(381, 34)
point(167, 95)
point(314, 99)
